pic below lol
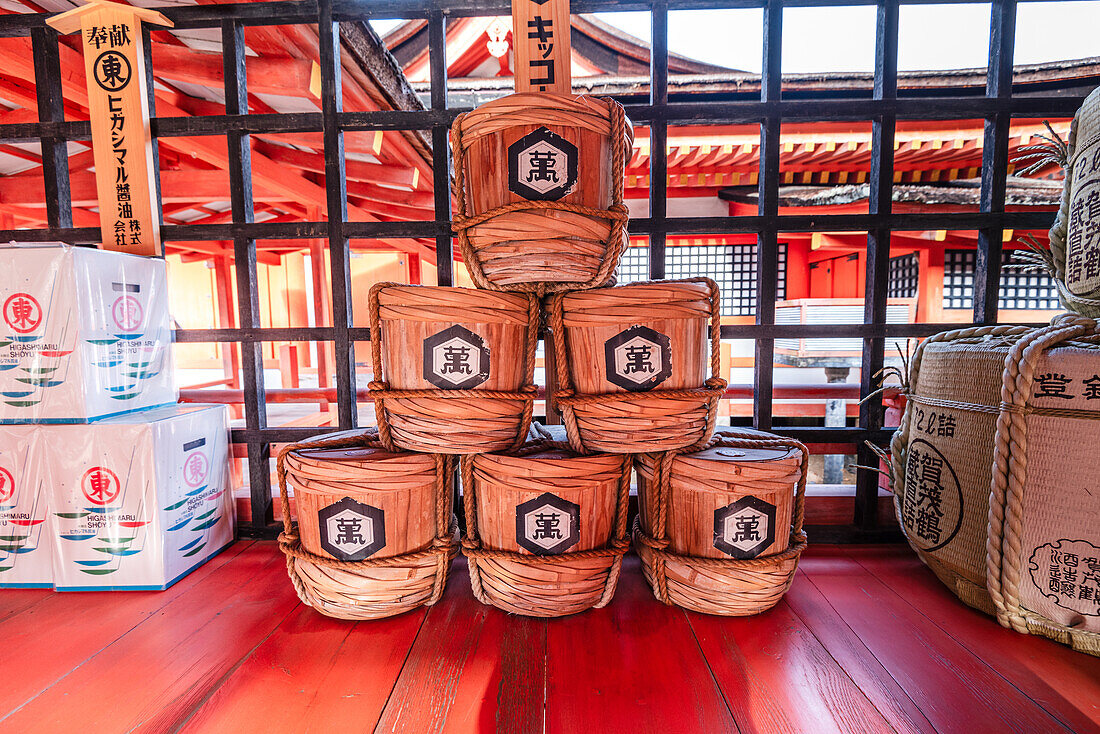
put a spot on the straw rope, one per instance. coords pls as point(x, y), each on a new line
point(1010, 459)
point(354, 594)
point(380, 390)
point(763, 579)
point(477, 554)
point(708, 395)
point(541, 110)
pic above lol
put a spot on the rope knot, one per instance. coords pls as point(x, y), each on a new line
point(716, 383)
point(378, 386)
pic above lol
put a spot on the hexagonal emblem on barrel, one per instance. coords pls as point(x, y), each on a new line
point(548, 524)
point(352, 531)
point(456, 359)
point(638, 358)
point(542, 166)
point(744, 528)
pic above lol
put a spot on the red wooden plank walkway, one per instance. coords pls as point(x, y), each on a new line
point(866, 641)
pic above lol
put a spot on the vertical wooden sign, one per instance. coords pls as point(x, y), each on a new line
point(118, 103)
point(540, 40)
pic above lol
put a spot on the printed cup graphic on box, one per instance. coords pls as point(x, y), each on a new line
point(84, 334)
point(25, 546)
point(139, 501)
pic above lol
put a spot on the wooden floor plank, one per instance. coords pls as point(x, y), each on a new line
point(852, 654)
point(955, 690)
point(314, 674)
point(472, 668)
point(155, 674)
point(633, 667)
point(777, 677)
point(1064, 682)
point(14, 601)
point(48, 639)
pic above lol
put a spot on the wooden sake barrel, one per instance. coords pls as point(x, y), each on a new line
point(540, 191)
point(638, 365)
point(994, 473)
point(375, 534)
point(720, 530)
point(546, 528)
point(456, 366)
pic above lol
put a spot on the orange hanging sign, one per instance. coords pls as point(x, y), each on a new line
point(118, 106)
point(540, 39)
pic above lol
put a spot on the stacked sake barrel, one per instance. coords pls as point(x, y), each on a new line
point(993, 466)
point(541, 225)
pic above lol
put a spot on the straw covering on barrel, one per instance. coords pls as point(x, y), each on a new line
point(546, 527)
point(539, 191)
point(942, 452)
point(638, 365)
point(719, 531)
point(454, 367)
point(1044, 516)
point(376, 535)
point(993, 472)
point(1075, 236)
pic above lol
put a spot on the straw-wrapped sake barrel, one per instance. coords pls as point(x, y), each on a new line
point(375, 534)
point(539, 191)
point(546, 528)
point(638, 365)
point(454, 367)
point(1016, 410)
point(720, 530)
point(1074, 238)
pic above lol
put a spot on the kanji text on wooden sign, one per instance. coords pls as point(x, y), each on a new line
point(114, 65)
point(540, 37)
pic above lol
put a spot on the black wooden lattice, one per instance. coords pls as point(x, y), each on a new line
point(883, 107)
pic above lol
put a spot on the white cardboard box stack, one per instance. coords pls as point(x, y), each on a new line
point(99, 489)
point(83, 334)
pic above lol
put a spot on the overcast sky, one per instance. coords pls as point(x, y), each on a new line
point(843, 38)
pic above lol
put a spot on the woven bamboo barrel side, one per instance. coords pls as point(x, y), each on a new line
point(720, 530)
point(705, 488)
point(633, 340)
point(400, 486)
point(1044, 517)
point(942, 495)
point(376, 534)
point(567, 242)
point(449, 355)
point(532, 512)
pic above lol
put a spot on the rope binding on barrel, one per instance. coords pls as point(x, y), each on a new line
point(473, 549)
point(380, 390)
point(714, 387)
point(444, 546)
point(615, 244)
point(658, 543)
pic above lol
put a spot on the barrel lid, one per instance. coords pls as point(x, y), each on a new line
point(731, 454)
point(359, 454)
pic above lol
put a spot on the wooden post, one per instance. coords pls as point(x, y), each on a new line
point(118, 107)
point(321, 301)
point(540, 40)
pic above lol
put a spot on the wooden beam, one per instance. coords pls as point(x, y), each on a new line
point(356, 170)
point(285, 76)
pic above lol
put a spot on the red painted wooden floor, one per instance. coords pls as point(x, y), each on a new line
point(866, 640)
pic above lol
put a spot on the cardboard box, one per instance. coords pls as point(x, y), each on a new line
point(139, 501)
point(26, 551)
point(84, 334)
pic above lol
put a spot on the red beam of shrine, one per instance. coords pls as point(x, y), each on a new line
point(355, 170)
point(285, 76)
point(16, 56)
